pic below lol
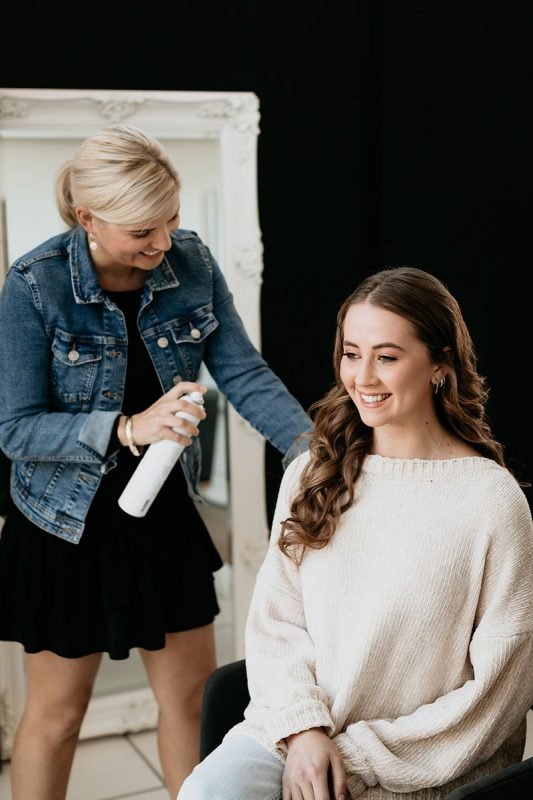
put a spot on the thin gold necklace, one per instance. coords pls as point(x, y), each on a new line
point(437, 449)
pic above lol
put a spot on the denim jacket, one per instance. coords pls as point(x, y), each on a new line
point(63, 353)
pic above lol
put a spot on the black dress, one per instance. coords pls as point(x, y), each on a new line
point(129, 580)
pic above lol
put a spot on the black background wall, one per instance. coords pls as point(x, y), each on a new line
point(391, 133)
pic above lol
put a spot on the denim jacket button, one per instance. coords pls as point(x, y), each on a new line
point(195, 333)
point(162, 341)
point(176, 379)
point(73, 356)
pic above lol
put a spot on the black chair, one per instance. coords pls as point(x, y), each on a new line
point(225, 698)
point(514, 782)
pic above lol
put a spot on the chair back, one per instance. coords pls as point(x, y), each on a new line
point(514, 782)
point(225, 698)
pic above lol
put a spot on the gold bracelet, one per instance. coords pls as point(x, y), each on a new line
point(129, 436)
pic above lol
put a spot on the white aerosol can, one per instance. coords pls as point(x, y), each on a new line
point(155, 467)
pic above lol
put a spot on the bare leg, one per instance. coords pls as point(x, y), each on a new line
point(177, 675)
point(58, 692)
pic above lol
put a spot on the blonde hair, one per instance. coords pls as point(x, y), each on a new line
point(121, 175)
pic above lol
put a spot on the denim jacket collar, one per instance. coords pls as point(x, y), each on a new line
point(85, 284)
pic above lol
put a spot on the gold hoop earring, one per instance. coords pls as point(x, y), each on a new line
point(92, 242)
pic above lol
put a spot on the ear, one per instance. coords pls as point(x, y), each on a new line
point(440, 370)
point(448, 358)
point(84, 217)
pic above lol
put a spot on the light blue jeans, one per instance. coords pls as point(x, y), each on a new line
point(239, 769)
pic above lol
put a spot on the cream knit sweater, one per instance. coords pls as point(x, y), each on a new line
point(409, 638)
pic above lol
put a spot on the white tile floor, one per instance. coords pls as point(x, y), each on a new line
point(117, 767)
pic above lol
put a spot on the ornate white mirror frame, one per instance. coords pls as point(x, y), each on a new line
point(232, 120)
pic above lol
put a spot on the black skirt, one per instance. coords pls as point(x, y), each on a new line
point(127, 583)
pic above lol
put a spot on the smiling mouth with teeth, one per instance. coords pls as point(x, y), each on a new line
point(374, 398)
point(147, 253)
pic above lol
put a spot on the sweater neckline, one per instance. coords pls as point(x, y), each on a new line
point(426, 468)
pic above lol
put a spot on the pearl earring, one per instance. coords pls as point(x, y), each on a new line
point(92, 242)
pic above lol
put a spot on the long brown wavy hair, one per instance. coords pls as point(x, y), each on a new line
point(341, 440)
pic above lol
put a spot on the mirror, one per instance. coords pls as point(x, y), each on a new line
point(212, 139)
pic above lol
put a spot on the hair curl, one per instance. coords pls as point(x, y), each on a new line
point(341, 440)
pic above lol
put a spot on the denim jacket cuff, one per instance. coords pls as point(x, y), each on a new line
point(97, 430)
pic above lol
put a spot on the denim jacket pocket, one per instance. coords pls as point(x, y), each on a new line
point(189, 334)
point(74, 368)
point(195, 328)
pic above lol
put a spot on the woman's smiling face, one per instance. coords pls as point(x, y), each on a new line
point(385, 368)
point(135, 246)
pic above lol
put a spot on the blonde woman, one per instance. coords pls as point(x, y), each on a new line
point(103, 329)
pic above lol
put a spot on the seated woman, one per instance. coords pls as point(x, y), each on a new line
point(389, 642)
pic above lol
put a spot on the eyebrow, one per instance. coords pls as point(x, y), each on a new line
point(375, 346)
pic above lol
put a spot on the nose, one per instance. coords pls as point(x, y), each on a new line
point(365, 374)
point(161, 239)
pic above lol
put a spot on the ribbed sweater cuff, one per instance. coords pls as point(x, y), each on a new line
point(300, 717)
point(354, 760)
